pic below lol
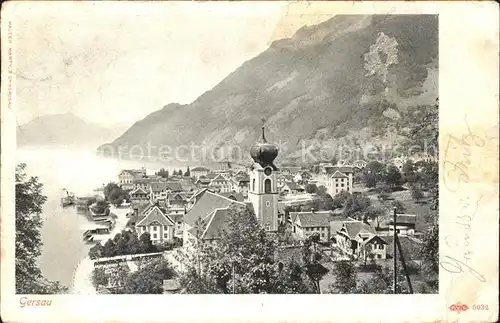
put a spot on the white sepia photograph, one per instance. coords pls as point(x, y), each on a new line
point(239, 148)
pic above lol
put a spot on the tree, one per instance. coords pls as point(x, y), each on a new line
point(242, 260)
point(101, 207)
point(356, 206)
point(146, 243)
point(400, 207)
point(96, 251)
point(428, 175)
point(344, 272)
point(109, 249)
point(430, 247)
point(149, 279)
point(374, 173)
point(108, 189)
point(408, 172)
point(416, 194)
point(311, 188)
point(325, 201)
point(372, 213)
point(393, 177)
point(99, 278)
point(162, 173)
point(188, 172)
point(28, 242)
point(340, 199)
point(311, 257)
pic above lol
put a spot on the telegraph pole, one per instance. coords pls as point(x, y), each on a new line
point(394, 252)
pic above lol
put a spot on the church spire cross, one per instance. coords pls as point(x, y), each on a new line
point(263, 135)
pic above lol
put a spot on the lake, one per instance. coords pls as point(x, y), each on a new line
point(79, 172)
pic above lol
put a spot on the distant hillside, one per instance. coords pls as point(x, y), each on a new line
point(63, 130)
point(347, 80)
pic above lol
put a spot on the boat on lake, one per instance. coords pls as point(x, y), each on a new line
point(68, 199)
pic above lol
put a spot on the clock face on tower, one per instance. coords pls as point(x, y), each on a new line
point(268, 171)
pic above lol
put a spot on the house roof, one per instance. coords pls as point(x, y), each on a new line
point(143, 180)
point(139, 190)
point(199, 193)
point(342, 169)
point(174, 186)
point(157, 186)
point(336, 223)
point(411, 247)
point(211, 175)
point(155, 214)
point(233, 195)
point(170, 285)
point(205, 205)
point(286, 177)
point(183, 196)
point(355, 227)
point(338, 174)
point(314, 219)
point(404, 218)
point(375, 238)
point(219, 178)
point(292, 185)
point(216, 222)
point(292, 169)
point(203, 180)
point(134, 172)
point(200, 169)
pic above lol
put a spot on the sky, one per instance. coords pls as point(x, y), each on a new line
point(113, 64)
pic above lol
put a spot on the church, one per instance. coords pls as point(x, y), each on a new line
point(210, 209)
point(263, 191)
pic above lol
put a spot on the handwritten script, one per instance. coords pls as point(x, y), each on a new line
point(455, 174)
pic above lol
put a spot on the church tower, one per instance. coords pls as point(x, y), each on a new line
point(263, 190)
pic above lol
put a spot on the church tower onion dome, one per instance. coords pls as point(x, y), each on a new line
point(264, 152)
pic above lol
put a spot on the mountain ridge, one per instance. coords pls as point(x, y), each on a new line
point(63, 129)
point(320, 87)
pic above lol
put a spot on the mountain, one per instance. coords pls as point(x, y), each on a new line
point(63, 130)
point(351, 80)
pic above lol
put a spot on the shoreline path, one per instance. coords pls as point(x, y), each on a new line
point(81, 278)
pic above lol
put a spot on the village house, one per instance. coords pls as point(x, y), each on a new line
point(159, 191)
point(199, 171)
point(361, 164)
point(336, 179)
point(143, 182)
point(307, 223)
point(399, 162)
point(290, 170)
point(158, 223)
point(357, 239)
point(284, 178)
point(405, 225)
point(139, 195)
point(201, 215)
point(291, 188)
point(302, 176)
point(127, 176)
point(202, 182)
point(221, 184)
point(242, 182)
point(177, 199)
